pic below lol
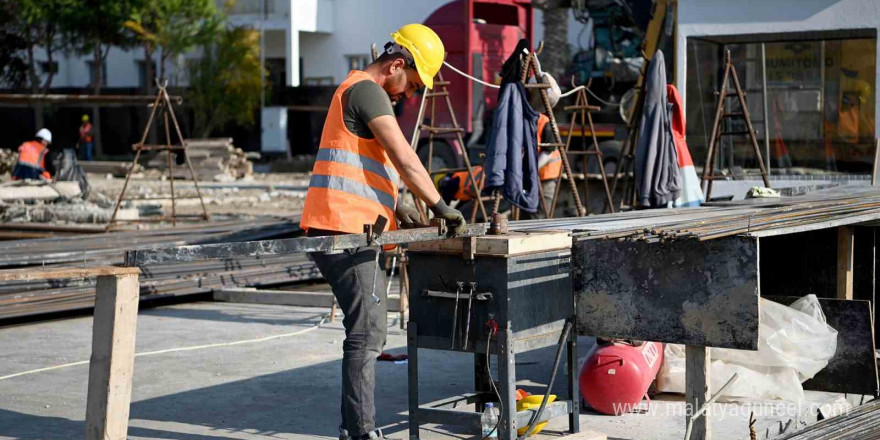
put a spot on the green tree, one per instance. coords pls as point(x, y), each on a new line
point(225, 81)
point(93, 28)
point(41, 24)
point(13, 61)
point(174, 26)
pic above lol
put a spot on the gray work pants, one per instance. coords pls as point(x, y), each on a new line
point(352, 275)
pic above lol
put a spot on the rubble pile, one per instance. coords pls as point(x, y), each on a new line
point(212, 159)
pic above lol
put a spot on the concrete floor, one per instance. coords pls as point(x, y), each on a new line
point(281, 388)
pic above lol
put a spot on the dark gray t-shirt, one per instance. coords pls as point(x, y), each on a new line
point(361, 103)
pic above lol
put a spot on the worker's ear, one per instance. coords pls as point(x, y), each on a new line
point(396, 65)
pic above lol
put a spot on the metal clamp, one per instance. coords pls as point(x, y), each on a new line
point(477, 296)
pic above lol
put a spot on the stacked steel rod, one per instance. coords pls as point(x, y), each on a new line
point(842, 210)
point(27, 298)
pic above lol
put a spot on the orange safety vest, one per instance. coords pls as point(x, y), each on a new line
point(85, 132)
point(465, 185)
point(33, 154)
point(353, 181)
point(553, 168)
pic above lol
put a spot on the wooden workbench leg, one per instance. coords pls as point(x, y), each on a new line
point(573, 390)
point(112, 362)
point(412, 351)
point(507, 385)
point(845, 242)
point(697, 390)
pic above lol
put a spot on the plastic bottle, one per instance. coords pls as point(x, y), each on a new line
point(489, 421)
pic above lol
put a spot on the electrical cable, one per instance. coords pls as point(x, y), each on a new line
point(492, 381)
point(174, 350)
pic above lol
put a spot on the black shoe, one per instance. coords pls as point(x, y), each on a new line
point(374, 435)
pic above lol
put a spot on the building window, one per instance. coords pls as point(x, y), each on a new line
point(142, 73)
point(47, 68)
point(819, 100)
point(357, 62)
point(91, 67)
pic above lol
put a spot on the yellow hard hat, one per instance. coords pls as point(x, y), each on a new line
point(426, 48)
point(85, 118)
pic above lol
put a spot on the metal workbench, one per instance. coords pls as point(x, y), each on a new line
point(506, 280)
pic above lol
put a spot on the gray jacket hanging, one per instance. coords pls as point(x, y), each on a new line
point(658, 177)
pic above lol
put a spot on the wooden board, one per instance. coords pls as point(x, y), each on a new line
point(64, 273)
point(513, 243)
point(686, 292)
point(853, 369)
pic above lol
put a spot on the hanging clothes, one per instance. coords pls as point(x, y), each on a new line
point(691, 193)
point(658, 178)
point(511, 153)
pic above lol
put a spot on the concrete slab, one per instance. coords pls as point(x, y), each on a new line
point(261, 373)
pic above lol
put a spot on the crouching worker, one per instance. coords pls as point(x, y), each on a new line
point(32, 158)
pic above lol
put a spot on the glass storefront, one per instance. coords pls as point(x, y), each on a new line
point(816, 114)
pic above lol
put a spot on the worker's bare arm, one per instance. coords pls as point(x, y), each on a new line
point(406, 160)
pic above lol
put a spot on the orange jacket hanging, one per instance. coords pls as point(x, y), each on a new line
point(353, 181)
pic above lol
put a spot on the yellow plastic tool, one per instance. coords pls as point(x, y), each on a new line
point(533, 402)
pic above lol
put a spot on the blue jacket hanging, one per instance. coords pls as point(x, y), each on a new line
point(511, 154)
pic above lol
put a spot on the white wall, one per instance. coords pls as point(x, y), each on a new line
point(705, 18)
point(357, 23)
point(327, 31)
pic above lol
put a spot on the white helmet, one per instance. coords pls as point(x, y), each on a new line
point(45, 135)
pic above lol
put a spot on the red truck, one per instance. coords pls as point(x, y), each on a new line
point(479, 35)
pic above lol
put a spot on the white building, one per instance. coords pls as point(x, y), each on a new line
point(306, 41)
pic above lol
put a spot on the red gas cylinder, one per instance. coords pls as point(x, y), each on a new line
point(616, 376)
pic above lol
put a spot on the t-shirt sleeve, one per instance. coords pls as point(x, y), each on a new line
point(368, 101)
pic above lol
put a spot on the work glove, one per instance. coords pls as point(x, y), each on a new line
point(454, 218)
point(408, 217)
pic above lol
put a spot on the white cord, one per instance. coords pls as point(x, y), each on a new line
point(494, 86)
point(572, 91)
point(173, 350)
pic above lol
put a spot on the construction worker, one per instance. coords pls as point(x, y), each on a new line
point(458, 185)
point(549, 160)
point(32, 158)
point(354, 181)
point(86, 142)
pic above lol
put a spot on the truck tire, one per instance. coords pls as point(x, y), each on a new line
point(444, 154)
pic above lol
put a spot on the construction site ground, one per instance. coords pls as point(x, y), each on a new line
point(213, 370)
point(275, 194)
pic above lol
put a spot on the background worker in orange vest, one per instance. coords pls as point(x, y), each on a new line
point(86, 142)
point(32, 162)
point(549, 160)
point(355, 180)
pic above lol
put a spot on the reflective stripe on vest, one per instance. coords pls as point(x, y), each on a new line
point(353, 180)
point(356, 160)
point(352, 187)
